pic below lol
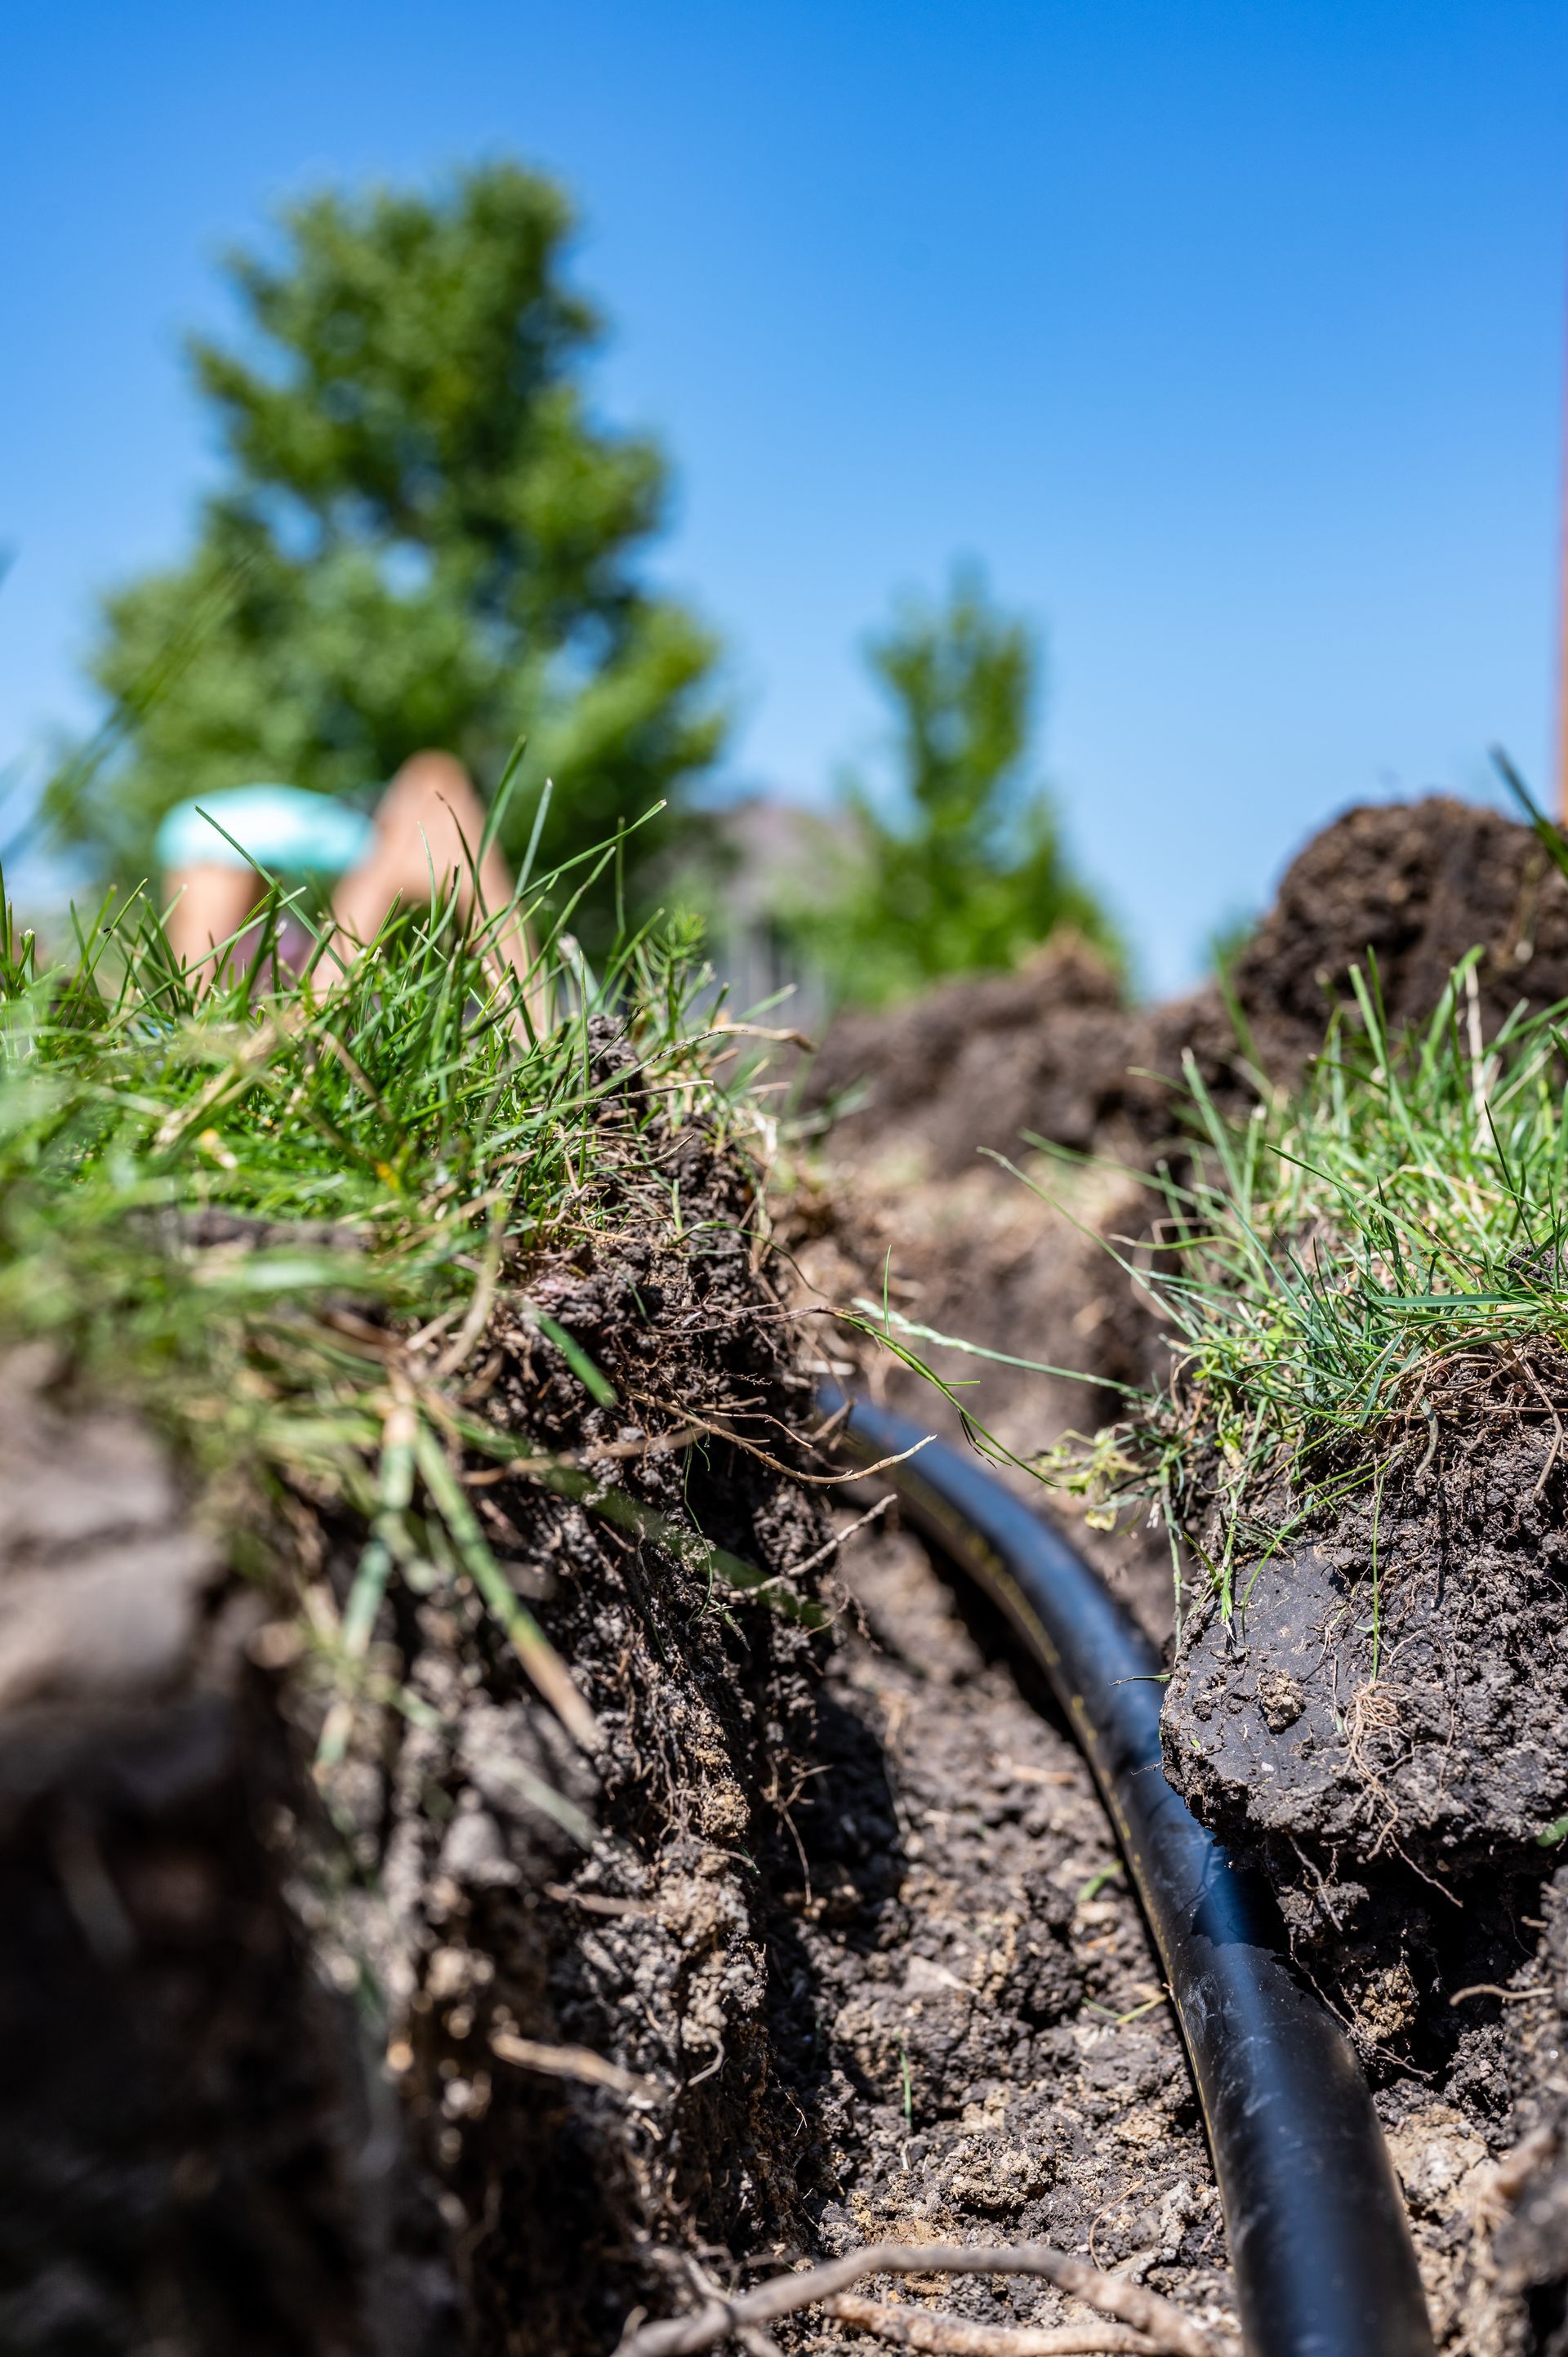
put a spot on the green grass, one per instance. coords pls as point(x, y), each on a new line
point(414, 1103)
point(1336, 1265)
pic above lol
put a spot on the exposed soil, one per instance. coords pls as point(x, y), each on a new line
point(479, 2044)
point(476, 2042)
point(568, 2199)
point(975, 1063)
point(1414, 886)
point(978, 1257)
point(997, 2055)
point(1397, 1681)
point(185, 2163)
point(1394, 1765)
point(1398, 1816)
point(1054, 1048)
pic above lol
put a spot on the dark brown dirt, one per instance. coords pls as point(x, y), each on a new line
point(1053, 1049)
point(981, 1257)
point(1414, 884)
point(1396, 1683)
point(1527, 2213)
point(1395, 1767)
point(1398, 1816)
point(192, 2159)
point(569, 2201)
point(975, 1063)
point(302, 2067)
point(842, 1931)
point(993, 2053)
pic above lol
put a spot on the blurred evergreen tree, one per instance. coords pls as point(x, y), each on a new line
point(421, 538)
point(968, 871)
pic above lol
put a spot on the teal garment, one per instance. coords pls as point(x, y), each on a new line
point(287, 830)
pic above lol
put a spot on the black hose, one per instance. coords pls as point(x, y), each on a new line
point(1319, 2242)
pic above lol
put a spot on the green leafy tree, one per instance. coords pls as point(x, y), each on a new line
point(968, 871)
point(421, 538)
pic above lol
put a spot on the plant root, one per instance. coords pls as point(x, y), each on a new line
point(1163, 2327)
point(955, 2336)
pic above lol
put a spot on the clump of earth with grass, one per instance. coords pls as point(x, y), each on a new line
point(473, 1876)
point(409, 1637)
point(1361, 1448)
point(1359, 1459)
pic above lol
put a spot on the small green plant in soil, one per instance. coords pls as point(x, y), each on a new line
point(1354, 1266)
point(275, 1216)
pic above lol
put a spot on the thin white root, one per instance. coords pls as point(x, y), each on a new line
point(718, 2320)
point(954, 2336)
point(571, 2063)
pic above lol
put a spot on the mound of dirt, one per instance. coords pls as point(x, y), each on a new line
point(974, 1062)
point(1413, 885)
point(1053, 1049)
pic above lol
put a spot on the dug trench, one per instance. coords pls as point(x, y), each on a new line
point(399, 2021)
point(447, 2032)
point(1380, 1726)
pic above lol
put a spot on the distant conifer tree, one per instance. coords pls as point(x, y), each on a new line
point(420, 537)
point(963, 867)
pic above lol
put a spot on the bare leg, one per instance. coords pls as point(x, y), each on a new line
point(214, 898)
point(430, 823)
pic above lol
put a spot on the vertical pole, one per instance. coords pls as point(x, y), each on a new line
point(1562, 609)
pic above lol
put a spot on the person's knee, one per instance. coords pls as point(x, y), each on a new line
point(429, 782)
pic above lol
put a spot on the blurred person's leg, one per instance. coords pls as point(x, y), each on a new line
point(212, 899)
point(428, 830)
point(423, 839)
point(216, 849)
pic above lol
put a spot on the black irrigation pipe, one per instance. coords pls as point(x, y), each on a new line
point(1319, 2242)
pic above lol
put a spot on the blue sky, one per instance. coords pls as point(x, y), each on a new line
point(1228, 336)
